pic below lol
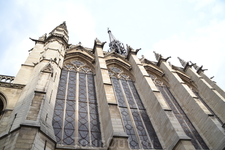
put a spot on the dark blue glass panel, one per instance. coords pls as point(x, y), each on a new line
point(185, 123)
point(128, 94)
point(118, 92)
point(136, 96)
point(129, 128)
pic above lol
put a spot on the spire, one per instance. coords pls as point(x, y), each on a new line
point(157, 56)
point(116, 45)
point(60, 31)
point(62, 26)
point(184, 63)
point(160, 58)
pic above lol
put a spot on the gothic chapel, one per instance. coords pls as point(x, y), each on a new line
point(68, 97)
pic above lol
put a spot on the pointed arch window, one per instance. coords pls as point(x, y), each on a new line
point(141, 134)
point(185, 123)
point(76, 120)
point(2, 104)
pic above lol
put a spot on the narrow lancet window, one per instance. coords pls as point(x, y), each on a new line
point(185, 123)
point(76, 120)
point(141, 134)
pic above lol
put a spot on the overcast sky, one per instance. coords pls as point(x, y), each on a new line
point(193, 30)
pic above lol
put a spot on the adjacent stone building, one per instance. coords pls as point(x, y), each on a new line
point(72, 97)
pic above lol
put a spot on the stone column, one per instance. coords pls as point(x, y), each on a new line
point(113, 131)
point(198, 114)
point(167, 127)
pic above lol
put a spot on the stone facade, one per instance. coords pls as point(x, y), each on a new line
point(182, 108)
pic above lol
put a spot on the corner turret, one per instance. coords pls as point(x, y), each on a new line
point(61, 32)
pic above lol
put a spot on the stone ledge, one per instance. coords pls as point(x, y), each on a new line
point(11, 85)
point(112, 104)
point(165, 109)
point(107, 83)
point(120, 135)
point(42, 92)
point(175, 142)
point(27, 65)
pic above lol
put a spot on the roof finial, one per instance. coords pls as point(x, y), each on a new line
point(116, 45)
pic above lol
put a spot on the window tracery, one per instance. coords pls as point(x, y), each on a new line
point(181, 116)
point(75, 119)
point(137, 125)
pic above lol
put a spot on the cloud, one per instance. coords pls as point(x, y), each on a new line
point(27, 18)
point(205, 47)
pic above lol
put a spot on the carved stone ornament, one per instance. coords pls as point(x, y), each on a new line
point(130, 51)
point(197, 68)
point(118, 73)
point(160, 58)
point(78, 66)
point(98, 43)
point(184, 63)
point(156, 80)
point(47, 69)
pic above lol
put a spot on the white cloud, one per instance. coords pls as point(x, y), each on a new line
point(218, 8)
point(205, 47)
point(202, 3)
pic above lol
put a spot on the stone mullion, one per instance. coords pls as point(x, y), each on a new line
point(77, 110)
point(140, 116)
point(154, 102)
point(88, 111)
point(131, 116)
point(64, 110)
point(196, 112)
point(213, 98)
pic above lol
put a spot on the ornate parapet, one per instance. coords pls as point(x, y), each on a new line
point(7, 81)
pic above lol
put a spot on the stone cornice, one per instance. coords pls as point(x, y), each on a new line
point(121, 63)
point(58, 36)
point(11, 85)
point(78, 54)
point(154, 69)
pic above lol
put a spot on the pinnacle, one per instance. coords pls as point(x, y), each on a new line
point(183, 63)
point(62, 25)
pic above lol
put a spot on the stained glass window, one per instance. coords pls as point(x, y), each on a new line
point(137, 125)
point(76, 120)
point(185, 123)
